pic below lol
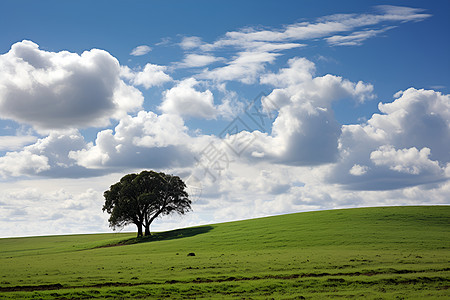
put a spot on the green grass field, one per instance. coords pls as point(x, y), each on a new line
point(371, 253)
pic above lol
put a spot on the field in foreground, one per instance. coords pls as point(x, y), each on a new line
point(372, 253)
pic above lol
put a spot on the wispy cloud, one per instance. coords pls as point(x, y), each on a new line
point(190, 42)
point(140, 50)
point(198, 60)
point(245, 67)
point(253, 48)
point(15, 142)
point(355, 38)
point(324, 27)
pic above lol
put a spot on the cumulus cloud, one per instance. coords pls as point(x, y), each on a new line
point(298, 81)
point(185, 100)
point(305, 131)
point(299, 70)
point(358, 170)
point(60, 90)
point(151, 75)
point(406, 145)
point(410, 161)
point(144, 141)
point(48, 157)
point(23, 162)
point(140, 50)
point(307, 135)
point(418, 118)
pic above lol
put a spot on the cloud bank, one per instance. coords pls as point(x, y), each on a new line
point(82, 123)
point(405, 145)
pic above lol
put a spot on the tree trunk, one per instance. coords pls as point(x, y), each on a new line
point(139, 233)
point(147, 230)
point(147, 223)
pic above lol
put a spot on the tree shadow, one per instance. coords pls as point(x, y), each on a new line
point(165, 236)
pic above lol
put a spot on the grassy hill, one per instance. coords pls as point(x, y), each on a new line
point(375, 253)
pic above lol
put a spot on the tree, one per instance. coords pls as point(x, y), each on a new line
point(141, 198)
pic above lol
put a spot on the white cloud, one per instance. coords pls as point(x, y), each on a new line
point(307, 135)
point(48, 156)
point(437, 87)
point(245, 67)
point(185, 100)
point(410, 161)
point(190, 42)
point(198, 60)
point(15, 142)
point(401, 13)
point(144, 141)
point(305, 131)
point(50, 211)
point(151, 75)
point(299, 70)
point(57, 146)
point(140, 50)
point(60, 90)
point(418, 118)
point(23, 162)
point(259, 47)
point(325, 27)
point(262, 189)
point(164, 41)
point(358, 170)
point(298, 82)
point(406, 145)
point(355, 38)
point(243, 191)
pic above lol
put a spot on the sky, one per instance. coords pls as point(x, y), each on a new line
point(261, 107)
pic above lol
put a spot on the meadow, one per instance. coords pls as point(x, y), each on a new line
point(371, 253)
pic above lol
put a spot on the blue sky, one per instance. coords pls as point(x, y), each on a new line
point(353, 95)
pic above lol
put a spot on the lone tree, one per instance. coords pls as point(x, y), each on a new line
point(141, 198)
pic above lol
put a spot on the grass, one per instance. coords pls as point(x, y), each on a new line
point(373, 253)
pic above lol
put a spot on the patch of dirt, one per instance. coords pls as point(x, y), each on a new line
point(57, 286)
point(30, 288)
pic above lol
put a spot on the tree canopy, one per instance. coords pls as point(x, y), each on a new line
point(141, 198)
